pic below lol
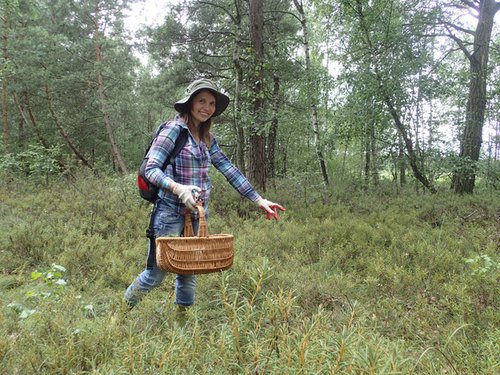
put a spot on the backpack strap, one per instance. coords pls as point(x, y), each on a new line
point(179, 144)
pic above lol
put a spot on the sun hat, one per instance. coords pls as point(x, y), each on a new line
point(221, 100)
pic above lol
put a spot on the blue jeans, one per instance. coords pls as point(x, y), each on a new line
point(165, 223)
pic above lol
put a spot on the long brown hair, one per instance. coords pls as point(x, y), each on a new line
point(204, 128)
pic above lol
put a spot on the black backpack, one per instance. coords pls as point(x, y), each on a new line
point(148, 190)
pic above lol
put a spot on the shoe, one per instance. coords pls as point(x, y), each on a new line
point(181, 315)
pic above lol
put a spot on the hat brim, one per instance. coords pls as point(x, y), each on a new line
point(221, 101)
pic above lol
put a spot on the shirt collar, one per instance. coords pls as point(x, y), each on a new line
point(179, 120)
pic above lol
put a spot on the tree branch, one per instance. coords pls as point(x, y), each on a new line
point(471, 4)
point(442, 58)
point(214, 56)
point(460, 44)
point(284, 12)
point(220, 7)
point(458, 28)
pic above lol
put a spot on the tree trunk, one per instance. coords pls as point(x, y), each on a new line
point(411, 154)
point(273, 131)
point(240, 134)
point(34, 123)
point(430, 141)
point(373, 149)
point(401, 162)
point(284, 157)
point(497, 141)
point(63, 133)
point(312, 98)
point(257, 140)
point(150, 122)
point(367, 158)
point(115, 152)
point(470, 143)
point(5, 116)
point(22, 121)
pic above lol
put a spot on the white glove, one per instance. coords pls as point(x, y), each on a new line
point(270, 208)
point(187, 194)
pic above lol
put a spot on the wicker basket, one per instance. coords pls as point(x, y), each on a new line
point(192, 254)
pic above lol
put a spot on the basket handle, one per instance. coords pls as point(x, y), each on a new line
point(202, 225)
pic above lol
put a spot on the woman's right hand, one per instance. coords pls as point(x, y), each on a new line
point(187, 194)
point(270, 208)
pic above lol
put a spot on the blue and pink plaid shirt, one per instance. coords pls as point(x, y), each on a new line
point(192, 166)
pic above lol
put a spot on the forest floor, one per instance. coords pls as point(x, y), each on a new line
point(348, 283)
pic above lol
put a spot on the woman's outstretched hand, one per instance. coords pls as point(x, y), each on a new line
point(270, 208)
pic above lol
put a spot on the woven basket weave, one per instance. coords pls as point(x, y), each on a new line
point(190, 255)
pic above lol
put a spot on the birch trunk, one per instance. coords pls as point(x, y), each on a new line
point(273, 131)
point(312, 104)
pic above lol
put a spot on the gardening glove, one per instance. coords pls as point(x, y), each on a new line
point(270, 208)
point(187, 194)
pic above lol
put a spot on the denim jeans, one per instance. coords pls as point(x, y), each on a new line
point(165, 223)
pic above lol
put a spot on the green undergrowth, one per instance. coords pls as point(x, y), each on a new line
point(362, 283)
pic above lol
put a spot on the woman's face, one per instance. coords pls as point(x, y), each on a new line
point(202, 107)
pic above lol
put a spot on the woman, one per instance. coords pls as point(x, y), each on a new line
point(187, 182)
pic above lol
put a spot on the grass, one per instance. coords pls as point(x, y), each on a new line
point(360, 283)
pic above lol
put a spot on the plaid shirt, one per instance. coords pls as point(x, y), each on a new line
point(192, 166)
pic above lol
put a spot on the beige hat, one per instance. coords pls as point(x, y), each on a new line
point(221, 100)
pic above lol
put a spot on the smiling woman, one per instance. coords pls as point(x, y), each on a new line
point(185, 183)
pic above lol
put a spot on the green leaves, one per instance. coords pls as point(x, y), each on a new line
point(52, 278)
point(49, 285)
point(482, 264)
point(36, 161)
point(35, 275)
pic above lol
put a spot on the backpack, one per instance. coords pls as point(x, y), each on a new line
point(147, 190)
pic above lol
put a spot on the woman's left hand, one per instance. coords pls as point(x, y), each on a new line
point(270, 208)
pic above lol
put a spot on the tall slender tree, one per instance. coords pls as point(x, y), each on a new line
point(115, 151)
point(6, 7)
point(379, 44)
point(312, 101)
point(257, 136)
point(238, 68)
point(478, 55)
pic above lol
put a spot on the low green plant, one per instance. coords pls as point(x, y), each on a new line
point(343, 283)
point(48, 284)
point(36, 161)
point(483, 264)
